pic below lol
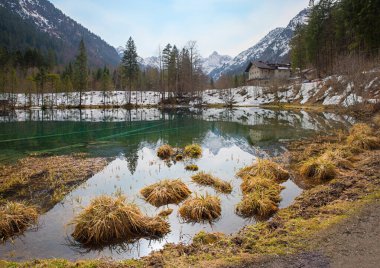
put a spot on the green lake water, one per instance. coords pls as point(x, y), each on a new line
point(230, 140)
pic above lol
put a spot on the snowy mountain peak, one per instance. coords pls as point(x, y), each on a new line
point(215, 60)
point(300, 19)
point(274, 47)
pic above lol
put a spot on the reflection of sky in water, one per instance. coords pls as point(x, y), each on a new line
point(229, 141)
point(50, 239)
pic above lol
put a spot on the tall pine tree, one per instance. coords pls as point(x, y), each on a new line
point(130, 66)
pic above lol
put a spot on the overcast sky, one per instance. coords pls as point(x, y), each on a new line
point(225, 26)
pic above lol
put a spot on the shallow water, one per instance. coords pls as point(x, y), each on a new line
point(230, 140)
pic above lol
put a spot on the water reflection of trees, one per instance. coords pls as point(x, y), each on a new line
point(109, 137)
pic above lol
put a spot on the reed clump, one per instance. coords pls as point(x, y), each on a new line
point(201, 209)
point(166, 192)
point(108, 221)
point(193, 151)
point(362, 137)
point(260, 184)
point(319, 168)
point(264, 168)
point(206, 179)
point(376, 120)
point(15, 218)
point(165, 213)
point(260, 203)
point(165, 151)
point(192, 167)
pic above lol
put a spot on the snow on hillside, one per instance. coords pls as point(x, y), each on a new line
point(321, 92)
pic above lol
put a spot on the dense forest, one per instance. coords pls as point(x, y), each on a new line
point(340, 35)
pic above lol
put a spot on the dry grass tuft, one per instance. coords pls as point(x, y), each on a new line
point(165, 151)
point(261, 203)
point(253, 184)
point(206, 179)
point(201, 209)
point(15, 218)
point(376, 120)
point(165, 213)
point(359, 142)
point(166, 192)
point(108, 221)
point(264, 168)
point(320, 168)
point(361, 128)
point(193, 150)
point(192, 167)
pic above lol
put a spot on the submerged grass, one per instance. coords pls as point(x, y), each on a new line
point(109, 220)
point(166, 192)
point(201, 209)
point(54, 175)
point(265, 168)
point(206, 179)
point(193, 151)
point(15, 218)
point(165, 151)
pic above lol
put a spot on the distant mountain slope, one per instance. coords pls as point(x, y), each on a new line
point(39, 24)
point(214, 61)
point(274, 47)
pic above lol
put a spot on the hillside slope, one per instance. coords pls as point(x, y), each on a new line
point(39, 24)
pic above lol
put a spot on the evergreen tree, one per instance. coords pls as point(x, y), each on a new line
point(130, 66)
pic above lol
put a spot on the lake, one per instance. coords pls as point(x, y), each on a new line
point(231, 139)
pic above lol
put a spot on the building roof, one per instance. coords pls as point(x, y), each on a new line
point(267, 66)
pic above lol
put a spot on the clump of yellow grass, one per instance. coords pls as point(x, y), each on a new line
point(260, 184)
point(260, 197)
point(264, 168)
point(192, 167)
point(259, 203)
point(165, 151)
point(165, 213)
point(376, 120)
point(201, 209)
point(319, 168)
point(109, 220)
point(193, 151)
point(166, 192)
point(362, 138)
point(15, 218)
point(206, 179)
